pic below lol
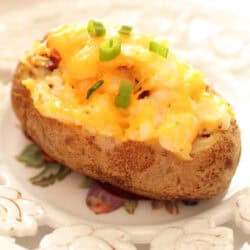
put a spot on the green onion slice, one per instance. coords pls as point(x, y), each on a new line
point(125, 29)
point(123, 98)
point(94, 88)
point(158, 48)
point(96, 28)
point(110, 49)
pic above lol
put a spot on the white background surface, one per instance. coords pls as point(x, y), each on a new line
point(239, 6)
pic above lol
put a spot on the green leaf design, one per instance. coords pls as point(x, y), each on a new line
point(63, 173)
point(45, 182)
point(87, 182)
point(31, 156)
point(130, 206)
point(47, 176)
point(50, 174)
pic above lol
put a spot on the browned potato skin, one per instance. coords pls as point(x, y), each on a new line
point(144, 168)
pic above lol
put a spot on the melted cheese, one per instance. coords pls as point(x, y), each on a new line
point(178, 109)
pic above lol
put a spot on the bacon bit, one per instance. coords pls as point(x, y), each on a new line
point(205, 135)
point(144, 94)
point(54, 60)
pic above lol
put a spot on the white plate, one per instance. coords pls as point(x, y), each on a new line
point(214, 41)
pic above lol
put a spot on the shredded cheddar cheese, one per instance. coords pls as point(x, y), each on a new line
point(170, 101)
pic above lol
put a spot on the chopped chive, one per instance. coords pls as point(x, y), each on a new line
point(158, 48)
point(110, 49)
point(123, 98)
point(125, 29)
point(96, 28)
point(94, 88)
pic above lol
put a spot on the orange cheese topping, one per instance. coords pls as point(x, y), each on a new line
point(174, 109)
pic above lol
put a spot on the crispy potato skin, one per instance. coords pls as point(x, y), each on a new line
point(144, 168)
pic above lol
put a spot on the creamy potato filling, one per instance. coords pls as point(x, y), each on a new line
point(169, 100)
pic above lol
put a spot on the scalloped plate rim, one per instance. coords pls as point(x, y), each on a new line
point(138, 232)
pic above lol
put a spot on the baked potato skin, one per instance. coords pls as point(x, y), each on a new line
point(144, 168)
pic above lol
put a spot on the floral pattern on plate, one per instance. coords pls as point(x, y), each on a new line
point(101, 198)
point(211, 39)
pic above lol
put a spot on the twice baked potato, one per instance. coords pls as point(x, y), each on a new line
point(119, 107)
